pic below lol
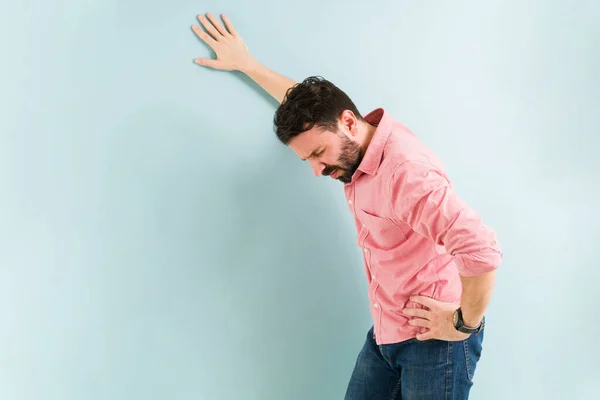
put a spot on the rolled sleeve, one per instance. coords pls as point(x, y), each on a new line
point(422, 197)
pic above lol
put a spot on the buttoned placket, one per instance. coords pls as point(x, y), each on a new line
point(350, 192)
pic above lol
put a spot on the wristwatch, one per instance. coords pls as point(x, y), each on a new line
point(460, 325)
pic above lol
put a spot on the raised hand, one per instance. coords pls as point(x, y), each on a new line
point(230, 49)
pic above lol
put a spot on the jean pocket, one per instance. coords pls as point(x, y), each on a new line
point(473, 346)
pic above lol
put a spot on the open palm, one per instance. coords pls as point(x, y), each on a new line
point(230, 49)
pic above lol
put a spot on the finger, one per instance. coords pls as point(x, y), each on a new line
point(208, 62)
point(209, 27)
point(425, 323)
point(204, 36)
point(218, 25)
point(425, 336)
point(426, 301)
point(417, 312)
point(229, 25)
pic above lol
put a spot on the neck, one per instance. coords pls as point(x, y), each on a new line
point(366, 132)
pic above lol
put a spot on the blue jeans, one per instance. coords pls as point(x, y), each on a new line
point(411, 370)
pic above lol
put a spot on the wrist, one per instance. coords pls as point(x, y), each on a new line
point(470, 319)
point(250, 67)
point(466, 326)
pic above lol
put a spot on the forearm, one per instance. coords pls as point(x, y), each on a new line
point(273, 83)
point(476, 295)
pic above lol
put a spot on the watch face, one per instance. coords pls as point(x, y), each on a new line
point(455, 318)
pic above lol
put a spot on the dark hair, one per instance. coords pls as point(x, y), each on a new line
point(314, 102)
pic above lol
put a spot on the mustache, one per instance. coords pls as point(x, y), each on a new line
point(329, 170)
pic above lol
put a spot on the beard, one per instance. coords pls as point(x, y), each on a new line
point(348, 161)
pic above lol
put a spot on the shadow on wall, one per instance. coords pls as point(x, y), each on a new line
point(250, 251)
point(294, 309)
point(258, 91)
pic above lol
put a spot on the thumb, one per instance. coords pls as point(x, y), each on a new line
point(209, 62)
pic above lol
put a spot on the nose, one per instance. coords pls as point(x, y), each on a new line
point(317, 167)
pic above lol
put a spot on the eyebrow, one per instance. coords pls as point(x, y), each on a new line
point(315, 151)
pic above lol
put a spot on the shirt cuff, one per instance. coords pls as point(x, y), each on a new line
point(475, 264)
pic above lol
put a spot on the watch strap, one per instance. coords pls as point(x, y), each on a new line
point(461, 327)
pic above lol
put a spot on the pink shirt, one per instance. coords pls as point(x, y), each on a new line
point(418, 236)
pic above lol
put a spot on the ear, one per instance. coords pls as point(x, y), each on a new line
point(349, 123)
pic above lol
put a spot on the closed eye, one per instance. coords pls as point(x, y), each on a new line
point(315, 153)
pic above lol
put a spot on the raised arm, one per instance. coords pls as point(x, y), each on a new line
point(233, 55)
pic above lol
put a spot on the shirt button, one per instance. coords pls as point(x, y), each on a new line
point(350, 202)
point(376, 305)
point(366, 250)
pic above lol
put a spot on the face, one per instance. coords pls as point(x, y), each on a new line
point(334, 154)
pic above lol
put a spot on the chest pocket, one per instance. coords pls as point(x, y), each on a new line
point(380, 232)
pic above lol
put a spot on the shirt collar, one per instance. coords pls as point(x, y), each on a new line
point(374, 153)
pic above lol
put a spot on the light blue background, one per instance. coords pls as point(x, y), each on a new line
point(157, 242)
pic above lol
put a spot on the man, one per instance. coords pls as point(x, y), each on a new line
point(430, 261)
